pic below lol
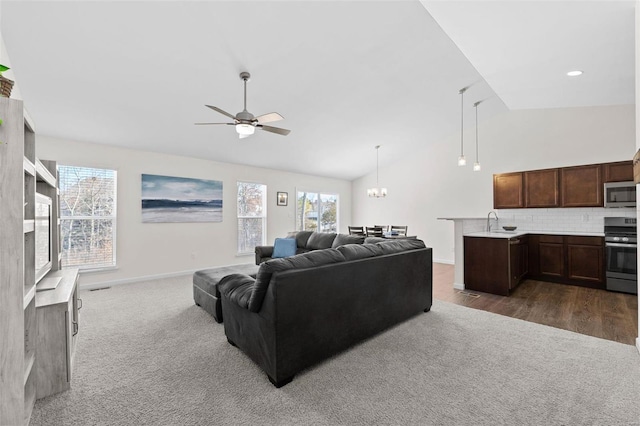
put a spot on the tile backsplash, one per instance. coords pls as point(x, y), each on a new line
point(587, 219)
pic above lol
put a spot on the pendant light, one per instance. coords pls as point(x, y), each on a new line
point(476, 165)
point(461, 160)
point(377, 192)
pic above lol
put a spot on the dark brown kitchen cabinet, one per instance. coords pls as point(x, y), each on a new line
point(577, 260)
point(542, 188)
point(551, 256)
point(508, 191)
point(494, 265)
point(620, 171)
point(585, 259)
point(581, 186)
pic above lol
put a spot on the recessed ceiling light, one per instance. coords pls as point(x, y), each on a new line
point(574, 73)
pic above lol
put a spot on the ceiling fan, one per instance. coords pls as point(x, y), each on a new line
point(245, 122)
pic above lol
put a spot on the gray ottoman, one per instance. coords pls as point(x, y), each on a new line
point(205, 286)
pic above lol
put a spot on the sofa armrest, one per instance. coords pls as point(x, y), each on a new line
point(263, 252)
point(237, 288)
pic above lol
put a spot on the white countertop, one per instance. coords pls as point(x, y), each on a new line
point(516, 233)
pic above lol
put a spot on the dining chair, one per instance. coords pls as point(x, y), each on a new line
point(401, 230)
point(356, 230)
point(385, 228)
point(374, 231)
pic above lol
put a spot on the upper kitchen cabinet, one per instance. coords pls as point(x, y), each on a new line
point(620, 171)
point(542, 188)
point(581, 186)
point(508, 191)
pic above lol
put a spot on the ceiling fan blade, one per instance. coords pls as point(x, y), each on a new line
point(223, 112)
point(272, 129)
point(202, 124)
point(270, 117)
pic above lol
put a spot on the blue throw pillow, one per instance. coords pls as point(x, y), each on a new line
point(284, 247)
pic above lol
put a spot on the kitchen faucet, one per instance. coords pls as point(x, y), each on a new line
point(489, 220)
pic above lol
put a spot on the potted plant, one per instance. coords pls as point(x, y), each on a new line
point(5, 84)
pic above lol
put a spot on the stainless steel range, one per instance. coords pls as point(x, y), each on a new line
point(621, 243)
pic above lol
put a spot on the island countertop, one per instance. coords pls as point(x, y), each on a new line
point(514, 234)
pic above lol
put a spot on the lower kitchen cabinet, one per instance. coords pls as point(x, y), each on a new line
point(577, 260)
point(495, 265)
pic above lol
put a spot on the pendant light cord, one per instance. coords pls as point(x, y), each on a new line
point(477, 156)
point(378, 166)
point(462, 120)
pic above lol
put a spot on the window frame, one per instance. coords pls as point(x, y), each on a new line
point(113, 218)
point(319, 195)
point(263, 216)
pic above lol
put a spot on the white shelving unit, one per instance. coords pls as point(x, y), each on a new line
point(20, 174)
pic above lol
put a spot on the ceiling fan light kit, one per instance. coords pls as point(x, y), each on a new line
point(245, 122)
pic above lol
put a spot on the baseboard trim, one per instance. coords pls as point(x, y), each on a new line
point(112, 283)
point(445, 261)
point(458, 286)
point(638, 344)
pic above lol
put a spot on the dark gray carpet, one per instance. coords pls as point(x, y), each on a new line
point(148, 356)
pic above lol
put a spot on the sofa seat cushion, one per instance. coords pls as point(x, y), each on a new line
point(321, 240)
point(397, 246)
point(301, 261)
point(342, 239)
point(359, 251)
point(208, 279)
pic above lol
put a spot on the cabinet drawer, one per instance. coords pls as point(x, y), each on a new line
point(558, 239)
point(585, 241)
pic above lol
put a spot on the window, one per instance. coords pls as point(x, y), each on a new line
point(87, 217)
point(252, 216)
point(317, 212)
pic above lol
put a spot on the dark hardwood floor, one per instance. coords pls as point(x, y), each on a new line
point(598, 313)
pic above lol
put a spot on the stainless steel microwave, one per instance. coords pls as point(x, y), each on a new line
point(620, 194)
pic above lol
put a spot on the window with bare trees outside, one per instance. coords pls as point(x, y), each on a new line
point(252, 216)
point(87, 217)
point(317, 212)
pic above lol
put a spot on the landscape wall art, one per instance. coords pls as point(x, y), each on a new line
point(178, 199)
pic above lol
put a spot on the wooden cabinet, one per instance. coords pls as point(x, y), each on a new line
point(585, 259)
point(58, 327)
point(582, 186)
point(579, 186)
point(494, 265)
point(620, 171)
point(508, 191)
point(541, 188)
point(577, 260)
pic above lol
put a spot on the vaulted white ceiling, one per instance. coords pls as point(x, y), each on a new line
point(347, 76)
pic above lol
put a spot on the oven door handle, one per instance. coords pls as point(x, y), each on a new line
point(621, 245)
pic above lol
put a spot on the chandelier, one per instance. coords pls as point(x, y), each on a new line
point(377, 192)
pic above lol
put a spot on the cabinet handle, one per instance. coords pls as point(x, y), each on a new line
point(75, 327)
point(79, 303)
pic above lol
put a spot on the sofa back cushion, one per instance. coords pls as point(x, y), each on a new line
point(397, 246)
point(301, 261)
point(284, 247)
point(342, 239)
point(320, 240)
point(359, 251)
point(301, 237)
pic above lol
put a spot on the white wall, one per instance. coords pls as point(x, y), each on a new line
point(429, 184)
point(149, 249)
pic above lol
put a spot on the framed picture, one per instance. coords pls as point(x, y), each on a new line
point(178, 199)
point(283, 198)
